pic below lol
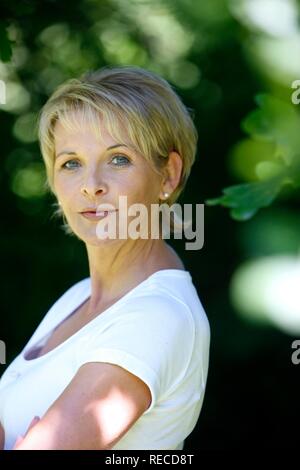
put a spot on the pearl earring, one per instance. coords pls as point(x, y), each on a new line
point(166, 195)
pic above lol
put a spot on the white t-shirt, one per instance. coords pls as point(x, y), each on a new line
point(158, 331)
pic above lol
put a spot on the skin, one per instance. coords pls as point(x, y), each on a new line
point(104, 399)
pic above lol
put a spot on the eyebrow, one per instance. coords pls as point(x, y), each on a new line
point(66, 152)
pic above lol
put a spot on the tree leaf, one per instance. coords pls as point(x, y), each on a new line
point(246, 199)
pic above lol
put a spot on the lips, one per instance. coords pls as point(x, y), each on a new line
point(93, 215)
point(94, 211)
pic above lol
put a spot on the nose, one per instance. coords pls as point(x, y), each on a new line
point(92, 185)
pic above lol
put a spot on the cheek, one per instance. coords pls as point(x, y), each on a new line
point(151, 191)
point(65, 188)
point(144, 188)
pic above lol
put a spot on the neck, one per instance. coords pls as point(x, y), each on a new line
point(117, 267)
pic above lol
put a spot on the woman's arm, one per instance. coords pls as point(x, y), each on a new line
point(95, 410)
point(1, 437)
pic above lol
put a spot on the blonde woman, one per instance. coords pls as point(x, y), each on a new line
point(120, 360)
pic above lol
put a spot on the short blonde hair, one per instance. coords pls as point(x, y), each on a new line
point(145, 107)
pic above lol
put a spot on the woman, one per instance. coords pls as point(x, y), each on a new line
point(120, 360)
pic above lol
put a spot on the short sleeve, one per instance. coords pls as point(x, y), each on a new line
point(151, 337)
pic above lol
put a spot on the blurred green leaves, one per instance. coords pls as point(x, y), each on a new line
point(277, 122)
point(28, 182)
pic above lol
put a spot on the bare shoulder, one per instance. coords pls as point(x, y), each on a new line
point(94, 412)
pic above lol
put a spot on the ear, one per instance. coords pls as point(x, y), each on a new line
point(172, 171)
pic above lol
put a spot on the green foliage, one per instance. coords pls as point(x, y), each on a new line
point(273, 121)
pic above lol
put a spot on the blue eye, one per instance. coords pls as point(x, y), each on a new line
point(73, 164)
point(126, 161)
point(68, 167)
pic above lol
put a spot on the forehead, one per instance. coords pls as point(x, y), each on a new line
point(79, 127)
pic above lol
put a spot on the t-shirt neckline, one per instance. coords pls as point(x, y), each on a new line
point(85, 295)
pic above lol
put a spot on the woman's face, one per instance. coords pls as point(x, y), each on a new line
point(88, 172)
